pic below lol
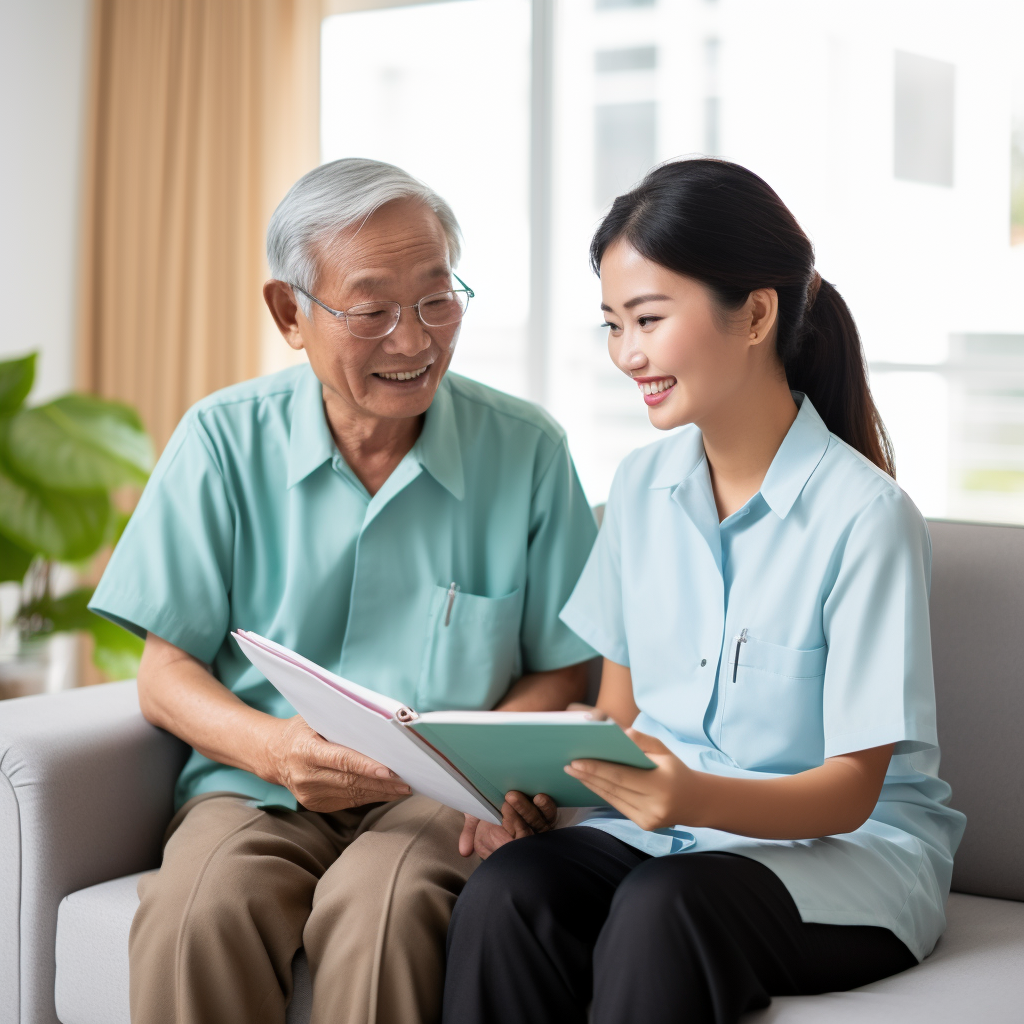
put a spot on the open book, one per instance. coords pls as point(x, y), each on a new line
point(465, 759)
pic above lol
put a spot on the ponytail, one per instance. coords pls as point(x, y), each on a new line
point(827, 365)
point(722, 225)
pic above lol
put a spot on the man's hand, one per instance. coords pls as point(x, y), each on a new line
point(520, 817)
point(324, 776)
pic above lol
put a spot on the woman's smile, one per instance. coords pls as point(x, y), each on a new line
point(655, 389)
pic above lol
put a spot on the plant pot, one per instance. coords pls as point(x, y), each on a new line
point(38, 666)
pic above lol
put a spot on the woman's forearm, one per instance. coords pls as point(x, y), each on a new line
point(838, 797)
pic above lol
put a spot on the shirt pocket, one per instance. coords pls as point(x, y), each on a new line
point(472, 652)
point(772, 717)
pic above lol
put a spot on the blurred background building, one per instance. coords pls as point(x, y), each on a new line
point(147, 143)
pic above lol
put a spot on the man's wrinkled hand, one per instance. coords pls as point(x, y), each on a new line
point(520, 817)
point(325, 776)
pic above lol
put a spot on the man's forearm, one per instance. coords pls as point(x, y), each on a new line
point(177, 693)
point(547, 691)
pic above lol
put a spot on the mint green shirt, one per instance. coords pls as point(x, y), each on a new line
point(253, 520)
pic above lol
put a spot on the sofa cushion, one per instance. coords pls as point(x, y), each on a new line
point(975, 973)
point(977, 615)
point(92, 957)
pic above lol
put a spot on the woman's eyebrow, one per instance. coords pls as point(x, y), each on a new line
point(636, 302)
point(644, 298)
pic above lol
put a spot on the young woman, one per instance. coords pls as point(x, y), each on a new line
point(759, 591)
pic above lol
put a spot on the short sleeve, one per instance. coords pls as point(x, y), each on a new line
point(170, 573)
point(561, 534)
point(594, 611)
point(879, 686)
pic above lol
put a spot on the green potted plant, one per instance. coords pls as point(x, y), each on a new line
point(63, 467)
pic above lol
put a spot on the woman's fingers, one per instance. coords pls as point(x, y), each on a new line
point(648, 744)
point(610, 794)
point(595, 713)
point(622, 778)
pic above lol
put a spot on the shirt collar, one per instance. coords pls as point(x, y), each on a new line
point(799, 454)
point(437, 448)
point(683, 458)
point(310, 445)
point(802, 449)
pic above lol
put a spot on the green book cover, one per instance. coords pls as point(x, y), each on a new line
point(499, 756)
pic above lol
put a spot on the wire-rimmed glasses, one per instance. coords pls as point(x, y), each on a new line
point(374, 320)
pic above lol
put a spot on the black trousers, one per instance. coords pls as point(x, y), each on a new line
point(548, 923)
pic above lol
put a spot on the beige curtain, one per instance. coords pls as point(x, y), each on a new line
point(203, 112)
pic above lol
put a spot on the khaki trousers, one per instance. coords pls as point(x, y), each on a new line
point(367, 892)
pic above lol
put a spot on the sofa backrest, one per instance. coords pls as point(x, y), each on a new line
point(977, 613)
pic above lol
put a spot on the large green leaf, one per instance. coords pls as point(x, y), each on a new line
point(60, 525)
point(80, 443)
point(16, 376)
point(116, 652)
point(14, 561)
point(118, 521)
point(60, 614)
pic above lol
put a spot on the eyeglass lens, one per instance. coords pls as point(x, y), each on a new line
point(376, 319)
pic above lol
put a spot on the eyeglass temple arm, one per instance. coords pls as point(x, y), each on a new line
point(322, 305)
point(469, 291)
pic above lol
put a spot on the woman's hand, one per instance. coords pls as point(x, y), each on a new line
point(653, 798)
point(834, 798)
point(520, 817)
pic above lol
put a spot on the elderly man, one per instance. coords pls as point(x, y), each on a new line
point(408, 528)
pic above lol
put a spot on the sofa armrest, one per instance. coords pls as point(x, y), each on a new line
point(86, 790)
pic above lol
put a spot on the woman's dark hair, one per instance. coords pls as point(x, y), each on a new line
point(722, 225)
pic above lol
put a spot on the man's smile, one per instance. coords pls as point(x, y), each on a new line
point(402, 374)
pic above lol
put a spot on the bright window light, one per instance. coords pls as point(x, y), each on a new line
point(894, 133)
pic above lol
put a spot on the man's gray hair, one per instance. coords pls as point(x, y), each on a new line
point(333, 198)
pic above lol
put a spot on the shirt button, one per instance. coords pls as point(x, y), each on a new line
point(703, 662)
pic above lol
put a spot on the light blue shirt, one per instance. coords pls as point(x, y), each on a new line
point(795, 630)
point(253, 520)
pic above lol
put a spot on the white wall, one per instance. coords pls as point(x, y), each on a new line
point(43, 74)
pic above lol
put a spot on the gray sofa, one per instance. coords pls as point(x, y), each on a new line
point(85, 794)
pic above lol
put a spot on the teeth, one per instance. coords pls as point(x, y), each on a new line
point(404, 374)
point(656, 387)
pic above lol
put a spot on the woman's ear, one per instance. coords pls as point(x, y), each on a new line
point(762, 310)
point(280, 300)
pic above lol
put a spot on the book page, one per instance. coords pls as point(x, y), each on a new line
point(361, 694)
point(373, 732)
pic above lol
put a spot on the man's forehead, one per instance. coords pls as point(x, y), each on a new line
point(381, 277)
point(400, 240)
point(384, 281)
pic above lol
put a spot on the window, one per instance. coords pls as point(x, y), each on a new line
point(923, 119)
point(1017, 160)
point(442, 90)
point(624, 147)
point(899, 149)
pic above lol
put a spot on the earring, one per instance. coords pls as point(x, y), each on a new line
point(753, 335)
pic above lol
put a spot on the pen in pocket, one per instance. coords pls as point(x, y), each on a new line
point(452, 591)
point(741, 639)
